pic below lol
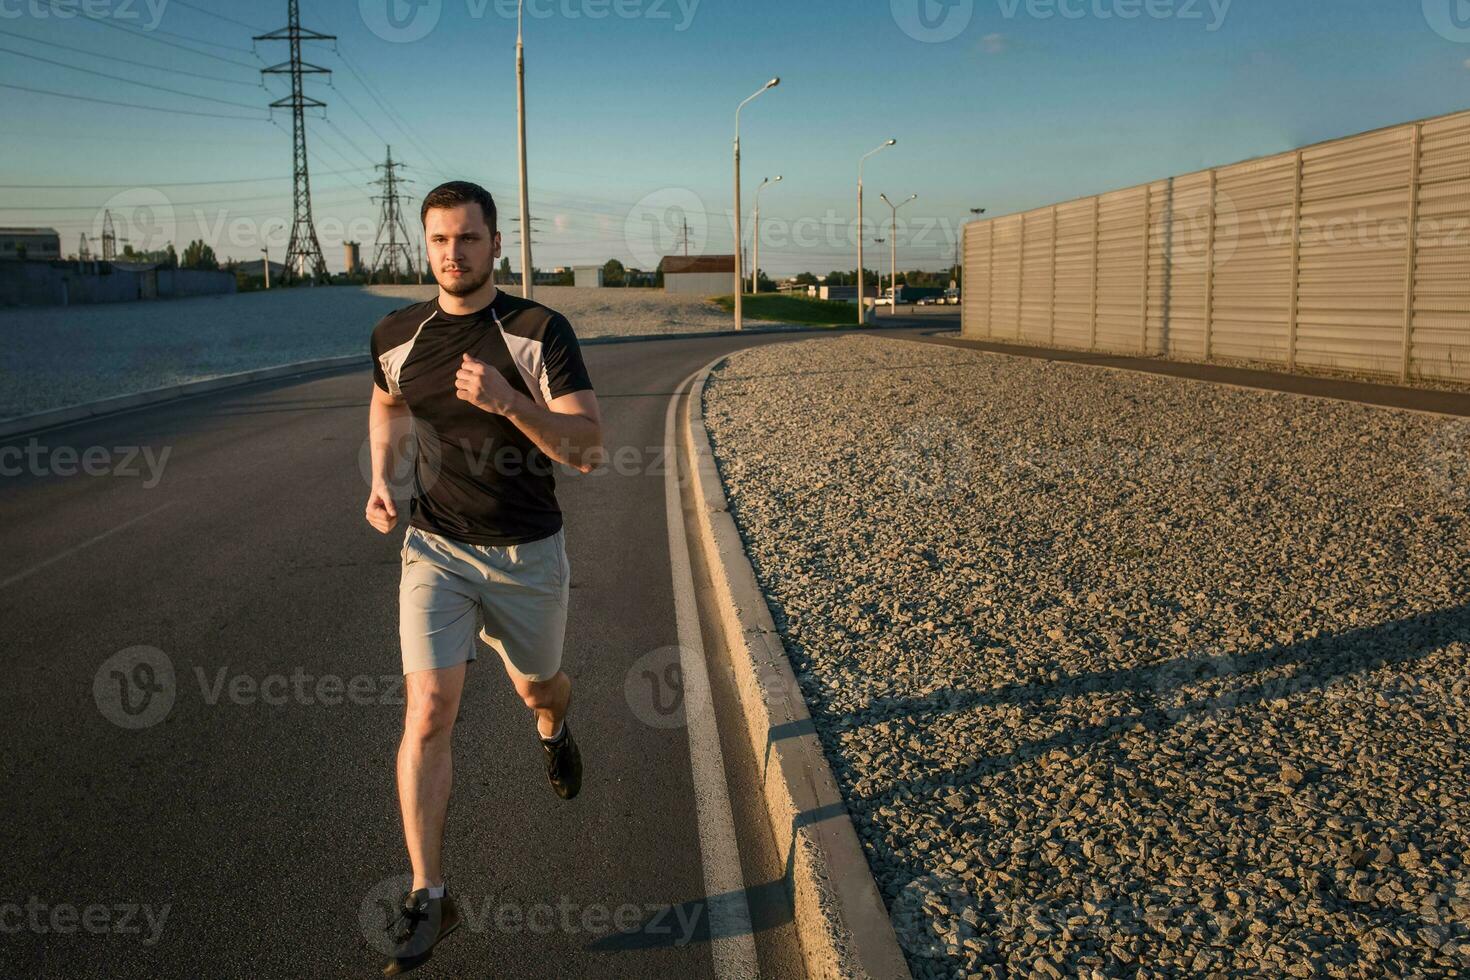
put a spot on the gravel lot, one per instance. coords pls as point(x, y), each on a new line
point(58, 356)
point(1121, 675)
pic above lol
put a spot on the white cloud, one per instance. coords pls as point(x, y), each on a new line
point(994, 43)
point(1467, 63)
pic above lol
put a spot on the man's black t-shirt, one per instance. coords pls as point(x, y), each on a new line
point(478, 478)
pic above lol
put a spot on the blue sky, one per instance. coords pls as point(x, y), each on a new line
point(1006, 104)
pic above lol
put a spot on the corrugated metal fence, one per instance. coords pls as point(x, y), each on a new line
point(1304, 260)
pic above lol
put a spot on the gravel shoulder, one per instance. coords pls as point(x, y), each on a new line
point(1121, 675)
point(59, 356)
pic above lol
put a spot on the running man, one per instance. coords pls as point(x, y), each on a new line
point(495, 391)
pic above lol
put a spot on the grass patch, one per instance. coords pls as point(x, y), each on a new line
point(791, 309)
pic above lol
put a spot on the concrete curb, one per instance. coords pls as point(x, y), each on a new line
point(26, 424)
point(844, 928)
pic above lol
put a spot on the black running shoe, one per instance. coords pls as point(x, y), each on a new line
point(563, 763)
point(422, 922)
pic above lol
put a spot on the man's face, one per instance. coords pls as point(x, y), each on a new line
point(462, 252)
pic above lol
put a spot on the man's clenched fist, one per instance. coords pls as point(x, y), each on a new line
point(381, 513)
point(483, 386)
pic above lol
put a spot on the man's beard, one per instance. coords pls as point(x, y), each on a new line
point(464, 285)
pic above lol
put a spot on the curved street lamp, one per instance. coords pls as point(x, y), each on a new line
point(739, 243)
point(893, 246)
point(862, 307)
point(755, 259)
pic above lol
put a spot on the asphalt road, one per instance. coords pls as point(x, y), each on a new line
point(239, 818)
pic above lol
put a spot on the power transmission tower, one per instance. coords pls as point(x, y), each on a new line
point(109, 238)
point(304, 251)
point(683, 238)
point(84, 251)
point(390, 223)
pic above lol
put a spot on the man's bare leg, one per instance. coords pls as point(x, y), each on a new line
point(549, 699)
point(426, 767)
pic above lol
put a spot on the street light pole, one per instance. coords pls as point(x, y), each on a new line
point(893, 251)
point(739, 241)
point(526, 277)
point(266, 264)
point(755, 260)
point(862, 305)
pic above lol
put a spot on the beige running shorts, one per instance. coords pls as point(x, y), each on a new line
point(515, 596)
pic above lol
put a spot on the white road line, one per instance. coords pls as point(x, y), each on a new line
point(732, 941)
point(75, 548)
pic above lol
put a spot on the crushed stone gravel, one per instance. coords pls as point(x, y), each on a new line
point(1120, 675)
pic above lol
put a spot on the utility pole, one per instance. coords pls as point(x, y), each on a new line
point(862, 304)
point(521, 237)
point(755, 262)
point(304, 249)
point(390, 222)
point(265, 263)
point(739, 242)
point(526, 276)
point(893, 252)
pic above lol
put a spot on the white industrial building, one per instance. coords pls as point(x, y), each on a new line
point(699, 275)
point(29, 243)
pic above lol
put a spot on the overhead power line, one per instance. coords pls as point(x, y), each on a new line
point(129, 61)
point(128, 81)
point(153, 183)
point(130, 105)
point(150, 36)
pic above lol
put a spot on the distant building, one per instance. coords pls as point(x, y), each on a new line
point(352, 252)
point(841, 294)
point(699, 275)
point(587, 276)
point(30, 243)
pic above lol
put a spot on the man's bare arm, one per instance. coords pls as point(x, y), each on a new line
point(568, 430)
point(385, 420)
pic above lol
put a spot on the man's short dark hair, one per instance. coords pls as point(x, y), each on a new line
point(455, 193)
